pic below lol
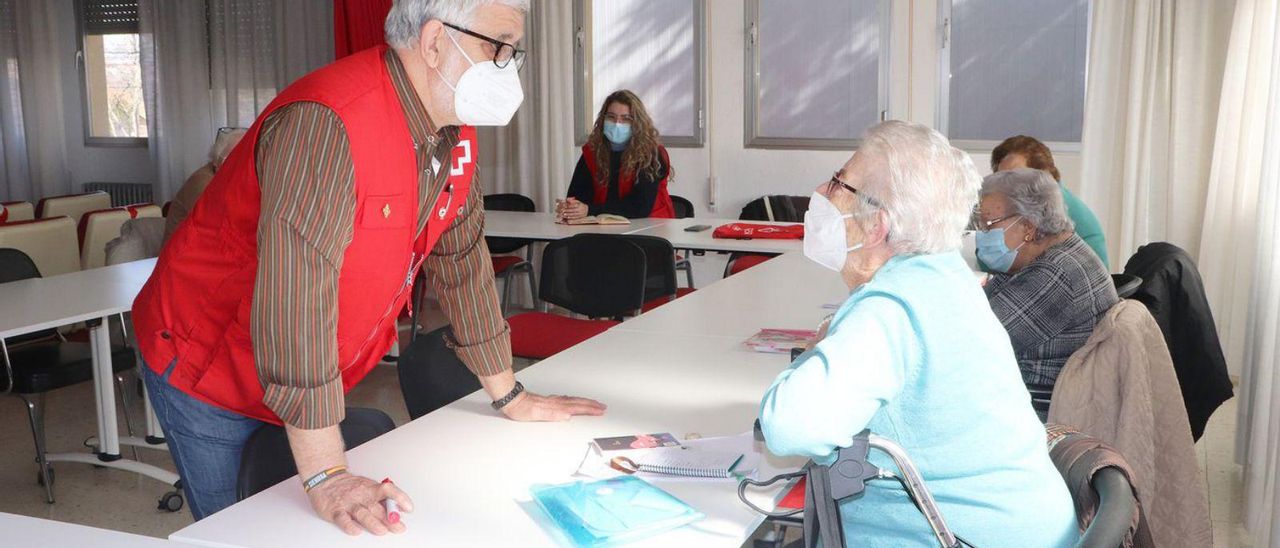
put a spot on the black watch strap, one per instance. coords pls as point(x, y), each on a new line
point(515, 391)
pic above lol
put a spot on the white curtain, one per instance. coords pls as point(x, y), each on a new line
point(33, 128)
point(1154, 78)
point(213, 63)
point(1247, 182)
point(535, 154)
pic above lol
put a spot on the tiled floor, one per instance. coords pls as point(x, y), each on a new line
point(127, 502)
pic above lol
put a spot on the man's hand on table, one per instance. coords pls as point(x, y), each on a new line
point(529, 407)
point(354, 504)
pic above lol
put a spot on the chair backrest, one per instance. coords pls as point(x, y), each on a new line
point(507, 202)
point(51, 243)
point(683, 207)
point(95, 230)
point(16, 211)
point(72, 205)
point(788, 209)
point(1126, 284)
point(142, 211)
point(1116, 503)
point(431, 375)
point(266, 458)
point(16, 265)
point(140, 238)
point(597, 275)
point(660, 266)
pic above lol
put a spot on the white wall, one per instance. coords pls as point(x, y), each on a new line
point(742, 174)
point(85, 163)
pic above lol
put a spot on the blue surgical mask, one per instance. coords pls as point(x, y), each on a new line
point(618, 134)
point(993, 251)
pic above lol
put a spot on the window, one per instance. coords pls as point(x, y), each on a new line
point(652, 47)
point(1013, 67)
point(111, 73)
point(816, 77)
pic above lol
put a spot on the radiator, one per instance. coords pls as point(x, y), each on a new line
point(123, 193)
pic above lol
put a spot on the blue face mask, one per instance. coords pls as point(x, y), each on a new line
point(993, 251)
point(618, 134)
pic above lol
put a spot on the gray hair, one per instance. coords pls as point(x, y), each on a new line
point(926, 187)
point(224, 142)
point(405, 21)
point(1033, 195)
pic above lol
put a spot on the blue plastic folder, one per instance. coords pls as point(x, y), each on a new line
point(613, 511)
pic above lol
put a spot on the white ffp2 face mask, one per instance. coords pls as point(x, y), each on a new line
point(485, 95)
point(826, 239)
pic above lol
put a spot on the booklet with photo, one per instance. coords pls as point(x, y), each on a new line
point(729, 457)
point(638, 441)
point(780, 341)
point(601, 219)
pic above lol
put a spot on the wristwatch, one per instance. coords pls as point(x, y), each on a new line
point(515, 391)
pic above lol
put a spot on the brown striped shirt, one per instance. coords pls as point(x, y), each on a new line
point(308, 209)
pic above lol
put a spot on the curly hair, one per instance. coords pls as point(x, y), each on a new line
point(641, 153)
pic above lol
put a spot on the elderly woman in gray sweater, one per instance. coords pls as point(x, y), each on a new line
point(1049, 288)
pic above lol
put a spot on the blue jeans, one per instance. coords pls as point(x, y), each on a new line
point(205, 443)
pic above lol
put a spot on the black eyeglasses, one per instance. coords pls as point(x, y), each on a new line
point(835, 182)
point(504, 53)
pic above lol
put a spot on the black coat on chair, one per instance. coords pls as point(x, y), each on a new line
point(1174, 293)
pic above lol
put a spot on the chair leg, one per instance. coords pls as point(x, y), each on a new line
point(122, 389)
point(533, 287)
point(506, 291)
point(688, 273)
point(35, 413)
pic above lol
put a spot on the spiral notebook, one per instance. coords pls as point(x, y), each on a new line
point(678, 461)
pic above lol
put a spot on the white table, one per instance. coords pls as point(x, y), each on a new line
point(674, 231)
point(543, 226)
point(469, 470)
point(93, 296)
point(21, 531)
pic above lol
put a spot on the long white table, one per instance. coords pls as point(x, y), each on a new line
point(87, 296)
point(469, 471)
point(24, 531)
point(542, 227)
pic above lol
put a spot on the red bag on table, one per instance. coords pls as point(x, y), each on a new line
point(758, 231)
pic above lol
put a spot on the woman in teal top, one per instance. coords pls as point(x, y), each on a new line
point(1023, 151)
point(916, 355)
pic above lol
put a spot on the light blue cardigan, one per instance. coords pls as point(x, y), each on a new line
point(917, 356)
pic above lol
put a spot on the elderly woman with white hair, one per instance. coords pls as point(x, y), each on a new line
point(1049, 288)
point(193, 187)
point(915, 355)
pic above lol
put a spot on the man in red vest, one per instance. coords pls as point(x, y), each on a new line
point(281, 289)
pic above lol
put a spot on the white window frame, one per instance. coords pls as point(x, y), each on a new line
point(943, 110)
point(751, 99)
point(584, 115)
point(90, 140)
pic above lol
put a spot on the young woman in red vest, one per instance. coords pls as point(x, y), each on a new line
point(624, 167)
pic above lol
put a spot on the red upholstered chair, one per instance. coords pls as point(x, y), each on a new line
point(660, 285)
point(16, 211)
point(595, 275)
point(507, 266)
point(72, 205)
point(739, 262)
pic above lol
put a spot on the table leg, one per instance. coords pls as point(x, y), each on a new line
point(108, 430)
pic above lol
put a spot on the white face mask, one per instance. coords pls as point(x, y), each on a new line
point(485, 94)
point(826, 239)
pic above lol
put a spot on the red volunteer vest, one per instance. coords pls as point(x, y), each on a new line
point(662, 206)
point(196, 306)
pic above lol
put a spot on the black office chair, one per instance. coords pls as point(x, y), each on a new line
point(660, 285)
point(33, 367)
point(507, 266)
point(595, 275)
point(267, 460)
point(1126, 284)
point(684, 210)
point(431, 375)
